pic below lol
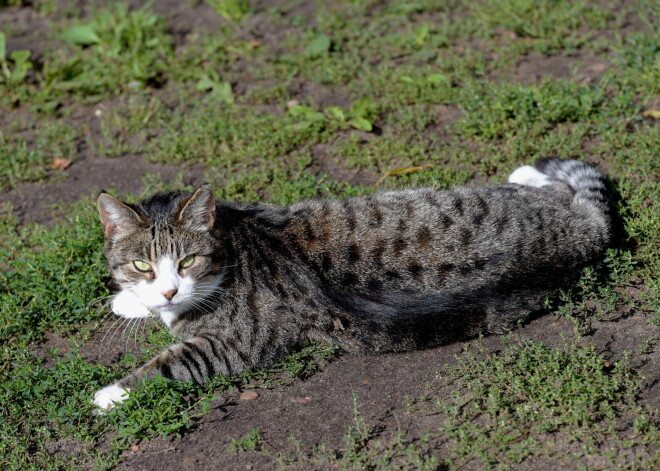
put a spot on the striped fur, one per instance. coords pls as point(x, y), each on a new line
point(392, 271)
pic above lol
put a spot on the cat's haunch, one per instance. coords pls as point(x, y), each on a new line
point(242, 284)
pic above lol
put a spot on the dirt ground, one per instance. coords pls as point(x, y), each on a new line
point(317, 409)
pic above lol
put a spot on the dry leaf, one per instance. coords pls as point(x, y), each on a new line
point(61, 164)
point(402, 171)
point(655, 114)
point(248, 395)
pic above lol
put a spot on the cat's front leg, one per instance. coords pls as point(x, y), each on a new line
point(195, 360)
point(106, 398)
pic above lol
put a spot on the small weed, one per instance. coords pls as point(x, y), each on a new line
point(231, 10)
point(219, 90)
point(318, 46)
point(360, 116)
point(118, 50)
point(14, 69)
point(527, 391)
point(251, 441)
point(557, 21)
point(363, 451)
point(358, 435)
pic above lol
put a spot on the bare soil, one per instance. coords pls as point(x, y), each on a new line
point(36, 202)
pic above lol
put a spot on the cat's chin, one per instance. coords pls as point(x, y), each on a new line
point(170, 311)
point(168, 316)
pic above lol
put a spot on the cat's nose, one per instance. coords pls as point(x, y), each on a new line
point(170, 294)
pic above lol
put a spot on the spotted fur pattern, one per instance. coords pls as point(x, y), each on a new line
point(391, 271)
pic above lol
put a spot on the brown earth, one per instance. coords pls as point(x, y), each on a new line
point(35, 202)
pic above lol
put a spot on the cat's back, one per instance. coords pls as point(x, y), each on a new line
point(423, 237)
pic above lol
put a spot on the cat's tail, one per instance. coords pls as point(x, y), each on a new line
point(590, 196)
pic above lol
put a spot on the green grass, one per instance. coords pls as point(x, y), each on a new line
point(370, 87)
point(505, 404)
point(232, 10)
point(557, 20)
point(19, 163)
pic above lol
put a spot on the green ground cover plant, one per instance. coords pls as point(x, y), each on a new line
point(300, 100)
point(511, 403)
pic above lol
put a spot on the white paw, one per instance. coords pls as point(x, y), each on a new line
point(108, 397)
point(127, 304)
point(528, 175)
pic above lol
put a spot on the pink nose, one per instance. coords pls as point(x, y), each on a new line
point(170, 294)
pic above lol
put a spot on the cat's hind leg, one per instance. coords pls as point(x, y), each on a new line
point(529, 176)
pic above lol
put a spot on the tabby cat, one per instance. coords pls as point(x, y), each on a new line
point(241, 284)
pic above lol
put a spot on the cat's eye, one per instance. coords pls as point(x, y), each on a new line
point(142, 266)
point(186, 262)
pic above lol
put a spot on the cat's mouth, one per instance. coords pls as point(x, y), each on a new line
point(170, 306)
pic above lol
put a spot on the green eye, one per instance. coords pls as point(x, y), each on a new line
point(142, 266)
point(186, 262)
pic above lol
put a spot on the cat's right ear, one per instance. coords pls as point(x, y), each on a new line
point(198, 212)
point(115, 215)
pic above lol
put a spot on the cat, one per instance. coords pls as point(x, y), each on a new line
point(242, 284)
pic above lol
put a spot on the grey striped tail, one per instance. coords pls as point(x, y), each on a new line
point(591, 198)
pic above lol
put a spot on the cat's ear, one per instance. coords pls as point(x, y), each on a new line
point(198, 212)
point(115, 215)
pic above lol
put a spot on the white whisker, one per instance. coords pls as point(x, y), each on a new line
point(98, 300)
point(108, 331)
point(128, 326)
point(124, 320)
point(135, 324)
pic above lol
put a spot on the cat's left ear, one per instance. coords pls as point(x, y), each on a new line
point(198, 213)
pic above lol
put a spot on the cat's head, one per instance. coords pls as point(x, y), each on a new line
point(164, 251)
